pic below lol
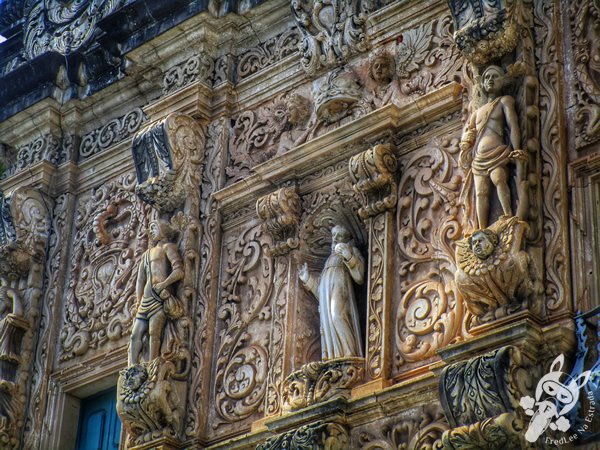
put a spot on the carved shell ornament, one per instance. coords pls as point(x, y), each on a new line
point(63, 26)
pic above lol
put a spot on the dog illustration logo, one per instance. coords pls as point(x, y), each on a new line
point(553, 399)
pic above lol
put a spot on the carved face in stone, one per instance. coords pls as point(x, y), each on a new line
point(382, 69)
point(483, 243)
point(135, 376)
point(339, 235)
point(297, 109)
point(159, 230)
point(492, 80)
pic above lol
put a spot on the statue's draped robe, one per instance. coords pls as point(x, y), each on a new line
point(340, 326)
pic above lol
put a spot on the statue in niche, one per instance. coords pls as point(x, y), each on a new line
point(486, 150)
point(160, 268)
point(340, 327)
point(493, 270)
point(381, 71)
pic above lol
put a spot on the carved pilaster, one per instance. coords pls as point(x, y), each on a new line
point(24, 225)
point(480, 398)
point(373, 173)
point(280, 212)
point(152, 391)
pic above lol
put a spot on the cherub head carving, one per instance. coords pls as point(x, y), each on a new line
point(382, 68)
point(483, 243)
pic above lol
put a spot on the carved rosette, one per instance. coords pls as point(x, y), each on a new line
point(319, 381)
point(484, 30)
point(168, 156)
point(331, 31)
point(280, 212)
point(325, 435)
point(373, 173)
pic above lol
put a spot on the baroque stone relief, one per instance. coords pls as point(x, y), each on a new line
point(325, 435)
point(110, 237)
point(64, 27)
point(23, 249)
point(243, 338)
point(415, 428)
point(111, 133)
point(331, 31)
point(585, 18)
point(196, 67)
point(430, 312)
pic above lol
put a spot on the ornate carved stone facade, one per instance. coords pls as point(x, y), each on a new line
point(304, 224)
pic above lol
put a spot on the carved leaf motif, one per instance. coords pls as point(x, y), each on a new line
point(242, 358)
point(109, 240)
point(430, 313)
point(268, 53)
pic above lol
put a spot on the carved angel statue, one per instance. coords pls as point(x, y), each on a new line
point(160, 268)
point(381, 71)
point(493, 270)
point(490, 141)
point(340, 327)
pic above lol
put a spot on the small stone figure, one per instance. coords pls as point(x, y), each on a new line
point(160, 268)
point(297, 127)
point(340, 327)
point(381, 71)
point(493, 273)
point(486, 151)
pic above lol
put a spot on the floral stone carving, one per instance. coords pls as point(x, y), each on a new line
point(332, 30)
point(325, 435)
point(320, 381)
point(167, 156)
point(494, 274)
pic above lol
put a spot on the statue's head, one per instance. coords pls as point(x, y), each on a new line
point(483, 243)
point(382, 68)
point(493, 80)
point(135, 376)
point(340, 234)
point(298, 109)
point(160, 229)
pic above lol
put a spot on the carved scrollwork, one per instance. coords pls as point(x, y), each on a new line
point(268, 53)
point(197, 67)
point(483, 387)
point(109, 239)
point(430, 312)
point(45, 148)
point(332, 31)
point(280, 212)
point(111, 133)
point(242, 358)
point(422, 429)
point(497, 433)
point(585, 20)
point(373, 173)
point(64, 27)
point(167, 156)
point(325, 435)
point(317, 382)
